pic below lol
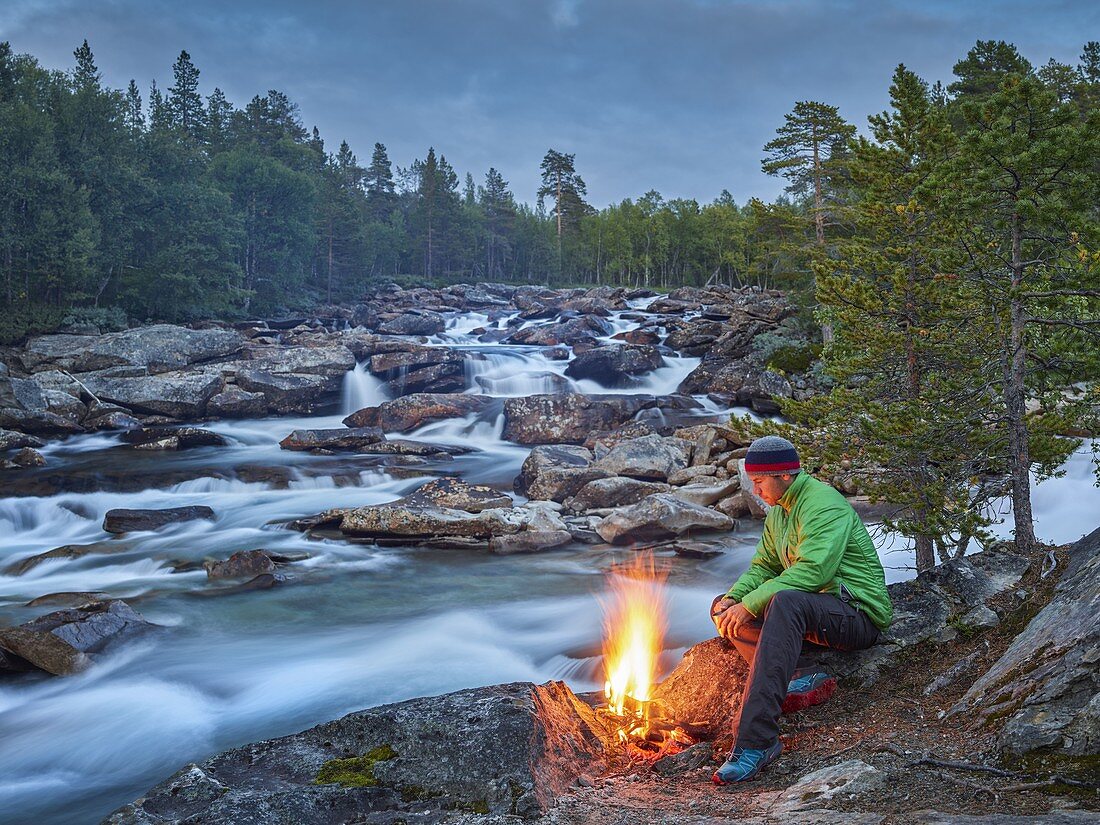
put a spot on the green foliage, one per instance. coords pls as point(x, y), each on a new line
point(21, 322)
point(356, 771)
point(103, 319)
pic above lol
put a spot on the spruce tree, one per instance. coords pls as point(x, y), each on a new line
point(561, 182)
point(378, 180)
point(499, 208)
point(184, 102)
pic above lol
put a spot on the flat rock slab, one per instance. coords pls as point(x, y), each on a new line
point(127, 521)
point(503, 750)
point(569, 418)
point(658, 517)
point(345, 439)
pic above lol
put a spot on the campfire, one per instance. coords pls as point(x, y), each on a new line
point(634, 629)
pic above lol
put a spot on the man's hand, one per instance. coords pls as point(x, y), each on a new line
point(730, 618)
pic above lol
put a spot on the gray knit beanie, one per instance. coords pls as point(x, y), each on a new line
point(772, 456)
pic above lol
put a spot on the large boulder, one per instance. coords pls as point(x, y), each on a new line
point(234, 402)
point(347, 439)
point(13, 440)
point(128, 521)
point(456, 494)
point(290, 392)
point(411, 411)
point(63, 642)
point(574, 331)
point(651, 457)
point(569, 418)
point(406, 520)
point(529, 541)
point(158, 348)
point(302, 360)
point(613, 492)
point(420, 370)
point(242, 563)
point(179, 394)
point(614, 365)
point(555, 473)
point(172, 438)
point(659, 517)
point(413, 322)
point(1046, 686)
point(509, 751)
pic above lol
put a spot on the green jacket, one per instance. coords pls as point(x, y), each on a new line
point(813, 541)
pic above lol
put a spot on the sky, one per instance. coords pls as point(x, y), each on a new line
point(673, 95)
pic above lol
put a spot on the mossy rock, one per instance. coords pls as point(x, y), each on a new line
point(355, 771)
point(791, 360)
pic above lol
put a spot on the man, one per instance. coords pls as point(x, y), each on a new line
point(815, 578)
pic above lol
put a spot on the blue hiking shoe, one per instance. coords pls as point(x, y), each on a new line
point(807, 691)
point(744, 764)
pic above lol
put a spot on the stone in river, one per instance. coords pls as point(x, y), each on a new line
point(555, 473)
point(411, 411)
point(234, 402)
point(68, 551)
point(426, 521)
point(529, 541)
point(168, 438)
point(12, 440)
point(241, 563)
point(160, 348)
point(651, 457)
point(291, 392)
point(346, 439)
point(179, 394)
point(458, 495)
point(73, 598)
point(416, 322)
point(23, 459)
point(614, 365)
point(568, 418)
point(707, 493)
point(613, 492)
point(125, 521)
point(657, 517)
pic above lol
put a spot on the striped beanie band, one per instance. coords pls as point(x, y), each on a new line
point(772, 456)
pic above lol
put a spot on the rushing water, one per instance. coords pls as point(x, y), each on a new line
point(356, 626)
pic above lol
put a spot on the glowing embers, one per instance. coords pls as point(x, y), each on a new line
point(634, 629)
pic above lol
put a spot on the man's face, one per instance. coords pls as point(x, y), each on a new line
point(770, 488)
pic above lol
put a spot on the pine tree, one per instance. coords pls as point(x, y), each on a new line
point(134, 116)
point(381, 194)
point(219, 121)
point(86, 74)
point(499, 208)
point(561, 182)
point(184, 103)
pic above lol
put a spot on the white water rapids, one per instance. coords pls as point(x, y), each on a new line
point(357, 625)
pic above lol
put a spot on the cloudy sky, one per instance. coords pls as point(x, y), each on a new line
point(673, 95)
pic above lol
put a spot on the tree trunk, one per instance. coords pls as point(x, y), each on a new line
point(1015, 395)
point(925, 552)
point(819, 220)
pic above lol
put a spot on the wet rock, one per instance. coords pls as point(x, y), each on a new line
point(707, 494)
point(234, 402)
point(657, 517)
point(422, 322)
point(72, 598)
point(177, 438)
point(128, 521)
point(651, 457)
point(456, 494)
point(697, 549)
point(412, 411)
point(600, 443)
point(555, 473)
point(529, 541)
point(421, 370)
point(817, 789)
point(342, 440)
point(264, 581)
point(241, 563)
point(695, 337)
point(23, 459)
point(62, 642)
point(407, 447)
point(616, 491)
point(574, 331)
point(290, 393)
point(734, 506)
point(416, 756)
point(159, 348)
point(614, 365)
point(12, 440)
point(182, 395)
point(639, 336)
point(689, 473)
point(1047, 684)
point(401, 520)
point(68, 551)
point(36, 421)
point(569, 418)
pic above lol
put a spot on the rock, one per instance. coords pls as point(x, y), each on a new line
point(159, 348)
point(614, 365)
point(178, 438)
point(694, 337)
point(657, 517)
point(685, 475)
point(456, 494)
point(980, 617)
point(234, 402)
point(290, 393)
point(541, 516)
point(343, 440)
point(707, 494)
point(613, 492)
point(650, 457)
point(574, 331)
point(69, 597)
point(421, 370)
point(568, 418)
point(734, 506)
point(600, 443)
point(23, 459)
point(401, 520)
point(1055, 817)
point(554, 473)
point(412, 411)
point(817, 789)
point(419, 322)
point(757, 507)
point(241, 563)
point(182, 395)
point(697, 549)
point(114, 421)
point(128, 521)
point(68, 551)
point(376, 765)
point(706, 688)
point(264, 581)
point(529, 541)
point(406, 447)
point(12, 440)
point(62, 642)
point(1046, 686)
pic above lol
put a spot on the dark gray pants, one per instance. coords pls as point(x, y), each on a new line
point(782, 642)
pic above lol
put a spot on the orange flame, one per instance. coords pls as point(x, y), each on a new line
point(634, 629)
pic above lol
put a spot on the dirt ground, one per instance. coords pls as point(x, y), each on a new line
point(891, 726)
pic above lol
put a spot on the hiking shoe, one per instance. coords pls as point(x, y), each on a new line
point(807, 691)
point(744, 764)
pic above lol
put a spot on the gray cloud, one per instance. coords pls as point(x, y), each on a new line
point(673, 95)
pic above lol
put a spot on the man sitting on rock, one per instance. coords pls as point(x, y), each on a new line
point(815, 578)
